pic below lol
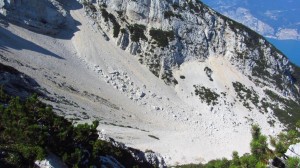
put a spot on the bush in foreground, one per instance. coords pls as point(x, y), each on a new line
point(29, 130)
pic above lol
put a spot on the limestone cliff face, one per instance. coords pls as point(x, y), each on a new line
point(184, 30)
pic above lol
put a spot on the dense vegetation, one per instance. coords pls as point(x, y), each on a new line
point(108, 16)
point(206, 95)
point(260, 152)
point(244, 94)
point(162, 37)
point(194, 7)
point(284, 108)
point(137, 32)
point(29, 130)
point(169, 14)
point(116, 25)
point(296, 75)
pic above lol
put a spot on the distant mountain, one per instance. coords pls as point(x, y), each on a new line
point(278, 20)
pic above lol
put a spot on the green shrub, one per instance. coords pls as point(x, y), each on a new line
point(108, 16)
point(246, 94)
point(293, 162)
point(162, 37)
point(206, 95)
point(29, 130)
point(123, 31)
point(116, 26)
point(170, 14)
point(223, 163)
point(175, 6)
point(193, 7)
point(104, 14)
point(259, 148)
point(248, 161)
point(168, 77)
point(290, 107)
point(137, 32)
point(235, 159)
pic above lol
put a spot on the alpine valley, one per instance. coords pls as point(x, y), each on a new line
point(171, 78)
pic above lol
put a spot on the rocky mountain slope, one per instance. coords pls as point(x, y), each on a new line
point(174, 77)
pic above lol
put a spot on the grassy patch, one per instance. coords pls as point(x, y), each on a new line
point(206, 95)
point(170, 14)
point(104, 14)
point(137, 32)
point(289, 114)
point(116, 25)
point(168, 78)
point(108, 16)
point(245, 94)
point(162, 37)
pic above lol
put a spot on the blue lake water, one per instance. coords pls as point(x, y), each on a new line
point(291, 48)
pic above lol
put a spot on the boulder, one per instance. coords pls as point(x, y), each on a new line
point(293, 151)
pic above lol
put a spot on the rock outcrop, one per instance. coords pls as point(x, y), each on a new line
point(293, 151)
point(147, 157)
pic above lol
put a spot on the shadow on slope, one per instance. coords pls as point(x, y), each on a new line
point(10, 40)
point(65, 31)
point(16, 83)
point(44, 18)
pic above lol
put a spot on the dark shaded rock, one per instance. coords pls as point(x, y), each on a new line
point(16, 83)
